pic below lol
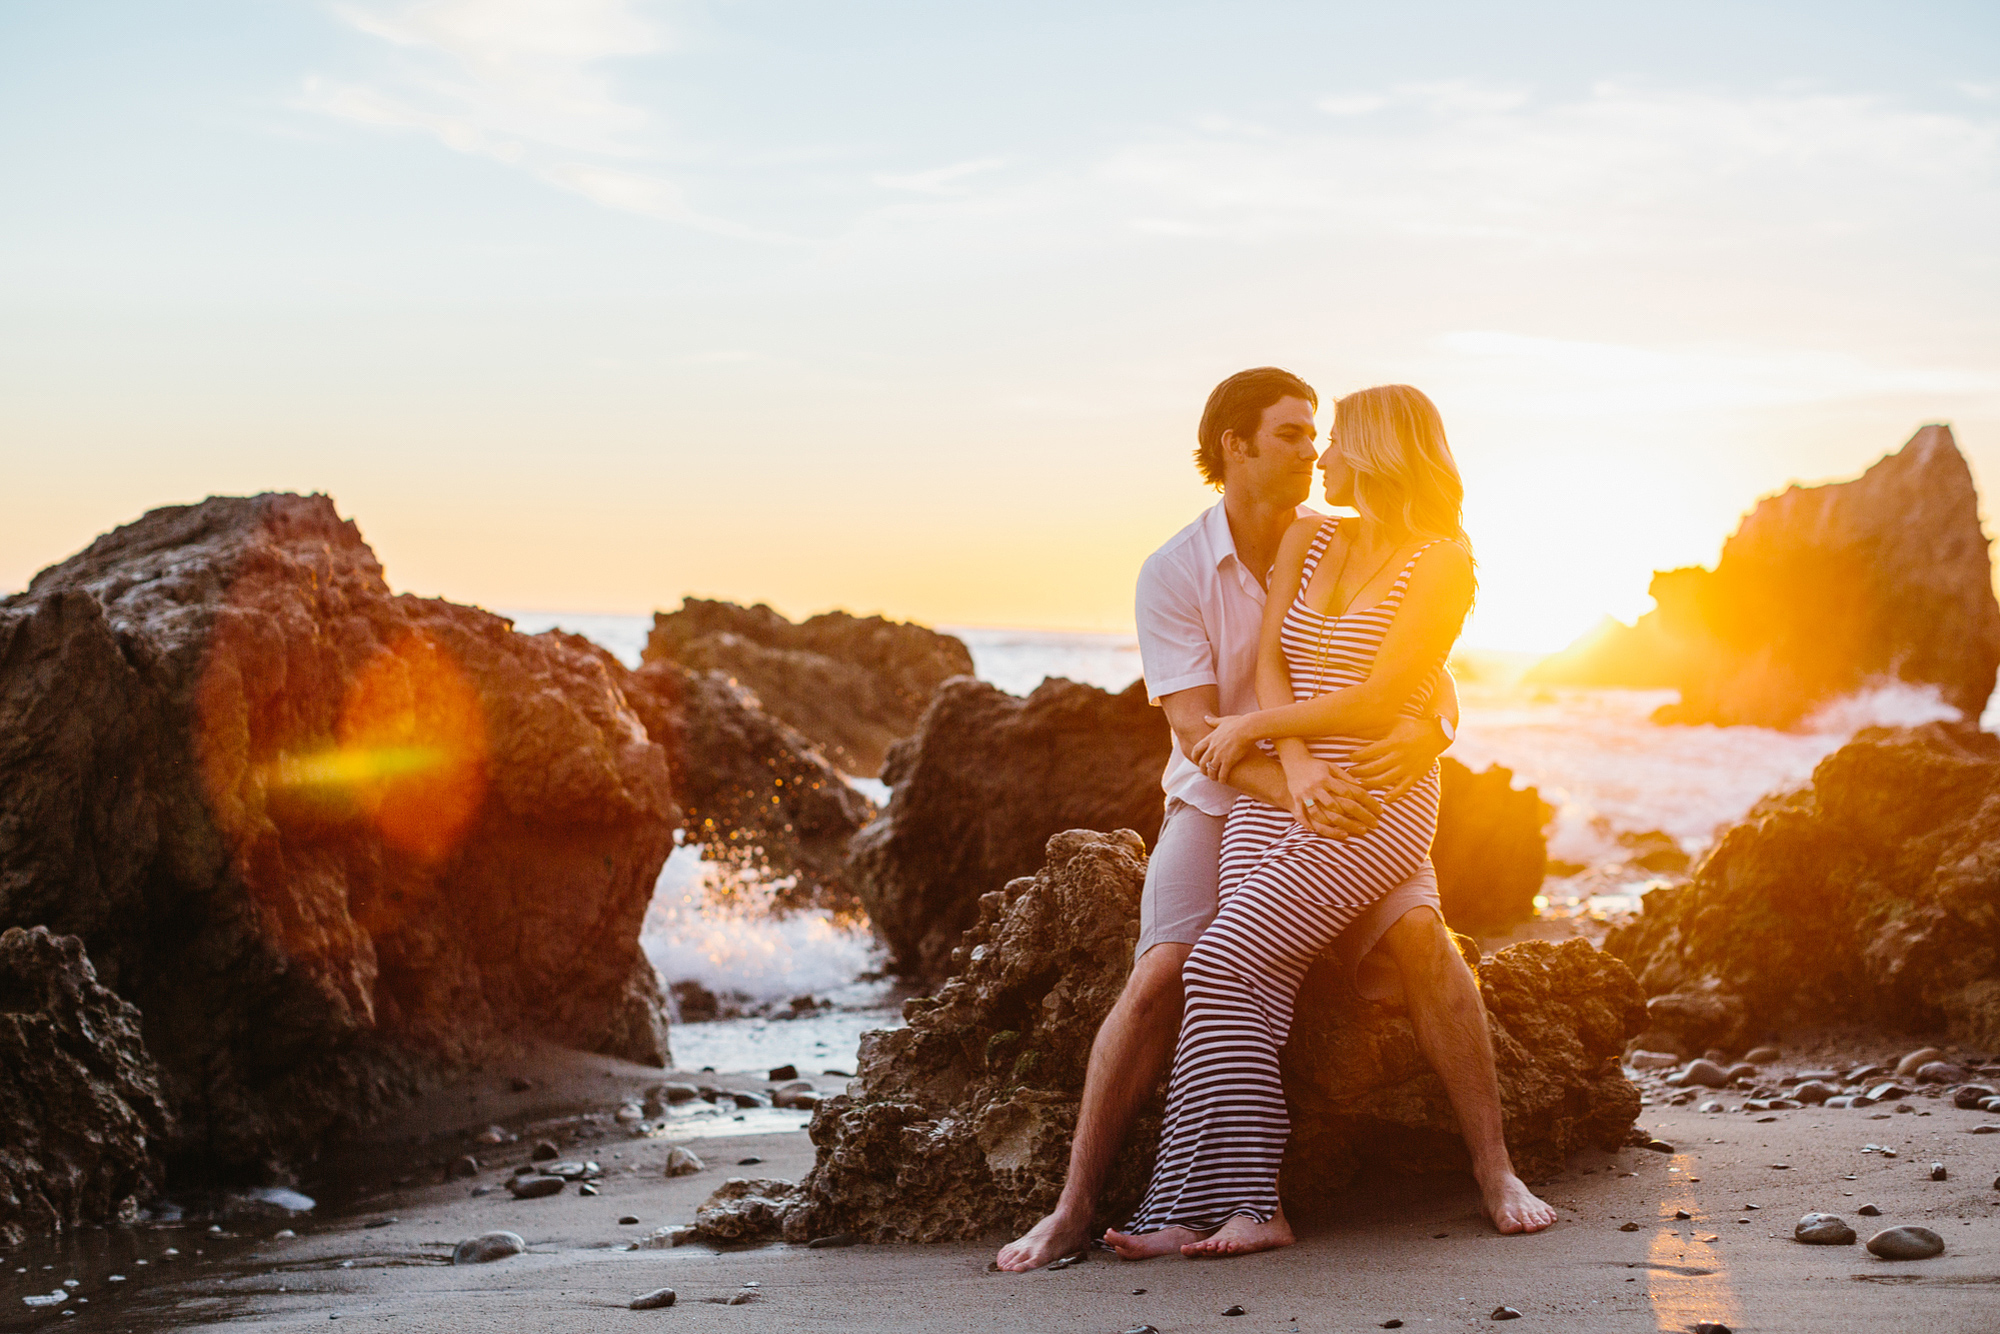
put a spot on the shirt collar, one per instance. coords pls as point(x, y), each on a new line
point(1215, 525)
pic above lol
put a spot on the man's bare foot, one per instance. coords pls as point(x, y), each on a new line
point(1513, 1207)
point(1146, 1245)
point(1055, 1236)
point(1241, 1236)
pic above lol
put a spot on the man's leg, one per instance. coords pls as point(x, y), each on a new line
point(1450, 1023)
point(1132, 1051)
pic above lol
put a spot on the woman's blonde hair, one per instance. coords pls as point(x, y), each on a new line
point(1405, 478)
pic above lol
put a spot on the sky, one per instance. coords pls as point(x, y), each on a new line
point(588, 305)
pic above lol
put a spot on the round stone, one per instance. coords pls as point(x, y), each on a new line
point(654, 1300)
point(487, 1247)
point(1906, 1243)
point(1823, 1230)
point(1969, 1096)
point(535, 1188)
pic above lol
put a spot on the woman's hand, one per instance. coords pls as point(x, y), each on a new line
point(1327, 800)
point(1233, 741)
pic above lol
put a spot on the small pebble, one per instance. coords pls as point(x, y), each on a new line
point(1984, 1130)
point(1392, 1324)
point(782, 1073)
point(1138, 1292)
point(1938, 1172)
point(1234, 1310)
point(379, 1222)
point(751, 1161)
point(1711, 1327)
point(682, 1161)
point(543, 1151)
point(1823, 1230)
point(487, 1247)
point(1069, 1261)
point(1628, 1227)
point(1505, 1313)
point(653, 1300)
point(1140, 1329)
point(535, 1188)
point(586, 1189)
point(1682, 1214)
point(831, 1241)
point(1906, 1243)
point(624, 1219)
point(1869, 1211)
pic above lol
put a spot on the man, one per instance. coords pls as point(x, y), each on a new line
point(1200, 606)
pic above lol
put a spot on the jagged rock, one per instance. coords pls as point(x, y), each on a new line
point(1822, 591)
point(331, 841)
point(979, 790)
point(1871, 895)
point(1491, 852)
point(989, 778)
point(754, 792)
point(80, 1104)
point(962, 1121)
point(744, 1209)
point(853, 685)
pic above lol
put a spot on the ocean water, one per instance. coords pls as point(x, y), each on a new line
point(1593, 755)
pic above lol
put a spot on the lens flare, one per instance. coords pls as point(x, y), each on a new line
point(409, 752)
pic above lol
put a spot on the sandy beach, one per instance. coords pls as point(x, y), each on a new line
point(1413, 1250)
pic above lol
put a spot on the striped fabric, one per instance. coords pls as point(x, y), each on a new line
point(1285, 895)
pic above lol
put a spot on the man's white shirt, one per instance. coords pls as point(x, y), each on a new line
point(1200, 613)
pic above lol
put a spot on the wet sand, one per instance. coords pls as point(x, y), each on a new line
point(1414, 1250)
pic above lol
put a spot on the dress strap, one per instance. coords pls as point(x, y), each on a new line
point(1403, 578)
point(1317, 549)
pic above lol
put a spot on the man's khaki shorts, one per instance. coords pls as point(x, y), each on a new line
point(1179, 900)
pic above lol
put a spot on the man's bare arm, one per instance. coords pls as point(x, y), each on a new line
point(1262, 777)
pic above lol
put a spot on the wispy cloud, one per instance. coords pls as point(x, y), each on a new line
point(1617, 169)
point(939, 180)
point(524, 83)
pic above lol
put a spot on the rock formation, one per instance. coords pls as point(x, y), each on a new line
point(854, 685)
point(1873, 894)
point(80, 1105)
point(989, 777)
point(1491, 850)
point(754, 792)
point(961, 1124)
point(980, 788)
point(1822, 591)
point(328, 840)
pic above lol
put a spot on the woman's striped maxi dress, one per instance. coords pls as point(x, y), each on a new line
point(1285, 894)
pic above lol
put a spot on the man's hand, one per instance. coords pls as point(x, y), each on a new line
point(1232, 741)
point(1395, 764)
point(1328, 801)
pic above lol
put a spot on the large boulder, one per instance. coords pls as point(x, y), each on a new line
point(330, 841)
point(989, 777)
point(80, 1107)
point(755, 793)
point(1822, 591)
point(977, 792)
point(855, 685)
point(1871, 895)
point(1491, 850)
point(961, 1122)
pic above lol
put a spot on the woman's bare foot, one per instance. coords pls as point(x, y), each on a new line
point(1054, 1237)
point(1146, 1245)
point(1241, 1236)
point(1513, 1207)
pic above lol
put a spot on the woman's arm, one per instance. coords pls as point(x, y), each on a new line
point(1418, 641)
point(1274, 678)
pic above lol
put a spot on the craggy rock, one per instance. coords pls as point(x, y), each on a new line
point(853, 685)
point(1871, 895)
point(989, 778)
point(1822, 591)
point(80, 1105)
point(961, 1123)
point(1491, 850)
point(330, 841)
point(743, 1209)
point(754, 792)
point(979, 790)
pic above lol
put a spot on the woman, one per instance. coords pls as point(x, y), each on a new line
point(1361, 616)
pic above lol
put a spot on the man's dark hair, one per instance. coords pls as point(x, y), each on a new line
point(1238, 405)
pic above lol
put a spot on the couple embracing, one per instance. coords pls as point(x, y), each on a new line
point(1300, 661)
